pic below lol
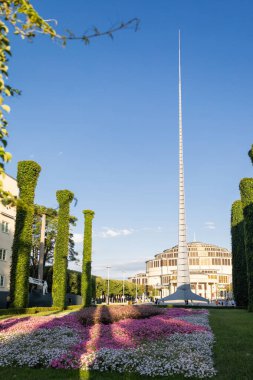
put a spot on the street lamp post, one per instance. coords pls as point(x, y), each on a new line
point(136, 288)
point(123, 286)
point(108, 285)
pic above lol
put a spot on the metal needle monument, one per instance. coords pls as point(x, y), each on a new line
point(183, 291)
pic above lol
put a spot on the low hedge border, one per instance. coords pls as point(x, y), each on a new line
point(28, 310)
point(202, 307)
point(74, 307)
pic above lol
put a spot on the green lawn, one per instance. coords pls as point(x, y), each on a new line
point(233, 351)
point(233, 354)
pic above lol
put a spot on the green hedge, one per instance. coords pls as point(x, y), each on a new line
point(73, 280)
point(240, 283)
point(28, 310)
point(246, 190)
point(86, 285)
point(74, 307)
point(99, 285)
point(27, 176)
point(64, 198)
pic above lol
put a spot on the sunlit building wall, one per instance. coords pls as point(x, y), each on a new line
point(210, 271)
point(7, 227)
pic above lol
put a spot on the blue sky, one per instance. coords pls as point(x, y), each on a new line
point(102, 120)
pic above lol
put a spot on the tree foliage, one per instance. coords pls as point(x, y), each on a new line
point(86, 290)
point(64, 198)
point(25, 21)
point(251, 153)
point(50, 238)
point(73, 280)
point(116, 288)
point(246, 190)
point(28, 173)
point(240, 283)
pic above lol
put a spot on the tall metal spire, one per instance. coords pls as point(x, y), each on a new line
point(183, 291)
point(183, 276)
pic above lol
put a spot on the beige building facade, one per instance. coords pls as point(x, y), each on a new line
point(210, 271)
point(7, 227)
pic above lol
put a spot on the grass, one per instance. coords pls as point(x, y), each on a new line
point(233, 354)
point(233, 351)
point(53, 374)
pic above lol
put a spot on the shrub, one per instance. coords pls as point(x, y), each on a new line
point(28, 310)
point(86, 285)
point(240, 285)
point(27, 176)
point(246, 189)
point(64, 198)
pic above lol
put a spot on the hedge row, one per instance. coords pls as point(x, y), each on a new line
point(27, 176)
point(239, 269)
point(246, 190)
point(64, 198)
point(86, 285)
point(28, 310)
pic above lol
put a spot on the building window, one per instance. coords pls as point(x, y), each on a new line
point(2, 254)
point(1, 281)
point(205, 261)
point(223, 279)
point(194, 261)
point(5, 227)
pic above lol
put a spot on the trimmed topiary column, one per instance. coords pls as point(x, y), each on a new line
point(27, 177)
point(240, 283)
point(64, 198)
point(86, 285)
point(246, 189)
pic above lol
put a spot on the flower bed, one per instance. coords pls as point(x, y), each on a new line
point(174, 341)
point(104, 314)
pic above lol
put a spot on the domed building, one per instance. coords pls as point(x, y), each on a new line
point(210, 271)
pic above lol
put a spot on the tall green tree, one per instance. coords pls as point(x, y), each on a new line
point(246, 190)
point(27, 176)
point(239, 269)
point(50, 239)
point(86, 285)
point(64, 198)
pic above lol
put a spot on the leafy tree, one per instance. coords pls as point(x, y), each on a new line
point(64, 198)
point(246, 190)
point(25, 21)
point(50, 239)
point(240, 283)
point(86, 290)
point(73, 280)
point(251, 153)
point(116, 288)
point(28, 173)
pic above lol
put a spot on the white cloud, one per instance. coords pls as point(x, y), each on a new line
point(210, 225)
point(117, 269)
point(78, 238)
point(113, 232)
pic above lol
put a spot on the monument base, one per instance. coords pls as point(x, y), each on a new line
point(184, 293)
